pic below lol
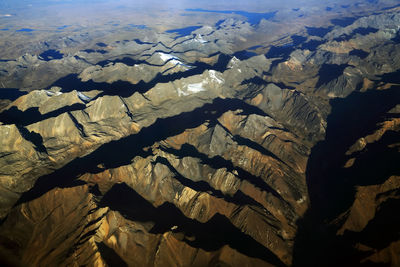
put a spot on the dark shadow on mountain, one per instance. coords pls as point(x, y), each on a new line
point(82, 59)
point(359, 53)
point(218, 24)
point(200, 186)
point(78, 126)
point(218, 162)
point(396, 39)
point(110, 256)
point(360, 31)
point(320, 32)
point(382, 230)
point(138, 41)
point(72, 82)
point(126, 89)
point(15, 116)
point(378, 162)
point(11, 93)
point(51, 54)
point(280, 51)
point(255, 146)
point(365, 31)
point(120, 152)
point(254, 47)
point(204, 186)
point(210, 236)
point(125, 60)
point(312, 45)
point(240, 140)
point(298, 39)
point(244, 54)
point(283, 52)
point(392, 77)
point(35, 138)
point(351, 118)
point(332, 187)
point(89, 51)
point(255, 80)
point(343, 22)
point(284, 86)
point(329, 72)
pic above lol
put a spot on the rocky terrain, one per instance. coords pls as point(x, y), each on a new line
point(169, 150)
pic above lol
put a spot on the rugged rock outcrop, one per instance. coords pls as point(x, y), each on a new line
point(191, 155)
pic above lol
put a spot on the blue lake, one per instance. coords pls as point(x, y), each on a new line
point(25, 30)
point(140, 27)
point(63, 27)
point(184, 31)
point(252, 18)
point(101, 44)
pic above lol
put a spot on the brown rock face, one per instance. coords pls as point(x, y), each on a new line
point(284, 159)
point(195, 184)
point(53, 229)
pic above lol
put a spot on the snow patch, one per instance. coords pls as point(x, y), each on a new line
point(167, 57)
point(173, 59)
point(233, 62)
point(196, 87)
point(214, 77)
point(83, 97)
point(191, 89)
point(200, 39)
point(50, 93)
point(181, 93)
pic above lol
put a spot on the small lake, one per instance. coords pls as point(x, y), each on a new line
point(183, 31)
point(140, 26)
point(25, 30)
point(101, 44)
point(62, 27)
